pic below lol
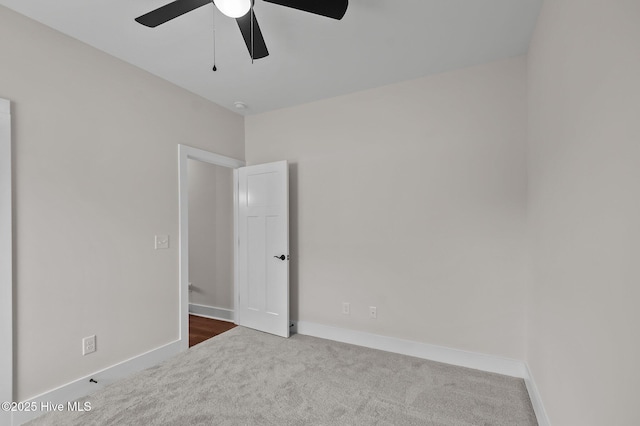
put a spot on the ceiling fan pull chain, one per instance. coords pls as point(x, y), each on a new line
point(214, 37)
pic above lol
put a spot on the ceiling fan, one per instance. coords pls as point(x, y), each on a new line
point(242, 11)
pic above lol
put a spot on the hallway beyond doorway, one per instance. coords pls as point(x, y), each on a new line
point(201, 328)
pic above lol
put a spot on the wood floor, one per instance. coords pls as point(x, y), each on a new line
point(201, 329)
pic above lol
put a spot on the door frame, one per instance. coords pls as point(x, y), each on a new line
point(6, 260)
point(186, 153)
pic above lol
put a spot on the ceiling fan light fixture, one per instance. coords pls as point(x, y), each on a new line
point(233, 8)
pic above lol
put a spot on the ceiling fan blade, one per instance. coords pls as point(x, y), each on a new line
point(259, 46)
point(170, 11)
point(330, 8)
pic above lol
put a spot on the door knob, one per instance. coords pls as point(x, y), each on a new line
point(281, 257)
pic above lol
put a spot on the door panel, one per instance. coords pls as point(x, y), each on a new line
point(263, 237)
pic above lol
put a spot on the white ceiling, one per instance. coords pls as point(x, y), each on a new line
point(377, 42)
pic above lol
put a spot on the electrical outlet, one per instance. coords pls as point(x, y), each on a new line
point(88, 345)
point(373, 312)
point(346, 308)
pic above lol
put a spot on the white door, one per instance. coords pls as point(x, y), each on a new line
point(263, 248)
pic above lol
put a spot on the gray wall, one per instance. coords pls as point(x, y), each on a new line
point(410, 198)
point(95, 179)
point(211, 235)
point(584, 170)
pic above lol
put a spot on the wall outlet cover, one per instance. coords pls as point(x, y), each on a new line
point(346, 308)
point(89, 345)
point(373, 312)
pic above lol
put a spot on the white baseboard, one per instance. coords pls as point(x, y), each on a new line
point(82, 387)
point(536, 400)
point(475, 360)
point(494, 364)
point(211, 312)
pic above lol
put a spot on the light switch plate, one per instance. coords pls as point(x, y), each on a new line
point(162, 242)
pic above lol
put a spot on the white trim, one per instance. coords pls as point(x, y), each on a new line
point(183, 250)
point(236, 247)
point(82, 387)
point(221, 314)
point(536, 400)
point(5, 106)
point(186, 153)
point(6, 260)
point(475, 360)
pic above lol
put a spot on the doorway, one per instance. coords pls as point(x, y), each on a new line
point(211, 220)
point(260, 243)
point(195, 161)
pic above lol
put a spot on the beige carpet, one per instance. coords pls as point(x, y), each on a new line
point(244, 377)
